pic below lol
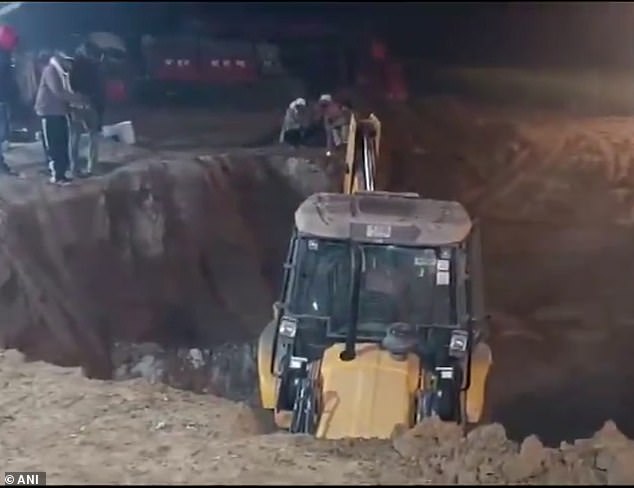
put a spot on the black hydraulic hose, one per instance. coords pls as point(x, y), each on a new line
point(349, 353)
point(368, 163)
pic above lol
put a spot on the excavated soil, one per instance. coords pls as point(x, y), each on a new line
point(118, 274)
point(87, 431)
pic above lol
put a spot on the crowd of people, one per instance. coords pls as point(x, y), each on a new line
point(69, 101)
point(328, 117)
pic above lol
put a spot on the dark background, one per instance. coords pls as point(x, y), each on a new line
point(574, 34)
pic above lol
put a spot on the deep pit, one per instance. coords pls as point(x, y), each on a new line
point(167, 268)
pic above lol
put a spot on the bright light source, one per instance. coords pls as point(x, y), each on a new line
point(288, 327)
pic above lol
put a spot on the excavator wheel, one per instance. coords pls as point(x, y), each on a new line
point(305, 409)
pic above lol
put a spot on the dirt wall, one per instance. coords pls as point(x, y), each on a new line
point(175, 248)
point(553, 194)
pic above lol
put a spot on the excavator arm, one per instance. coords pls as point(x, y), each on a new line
point(362, 153)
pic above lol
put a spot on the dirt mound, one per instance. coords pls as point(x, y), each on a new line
point(177, 248)
point(486, 456)
point(89, 431)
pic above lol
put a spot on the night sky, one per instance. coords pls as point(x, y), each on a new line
point(505, 33)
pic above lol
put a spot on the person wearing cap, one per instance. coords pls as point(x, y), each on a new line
point(86, 78)
point(52, 105)
point(335, 119)
point(9, 92)
point(295, 123)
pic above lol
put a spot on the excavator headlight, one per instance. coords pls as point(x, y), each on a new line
point(458, 343)
point(288, 327)
point(296, 362)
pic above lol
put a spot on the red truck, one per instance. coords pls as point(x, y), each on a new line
point(225, 72)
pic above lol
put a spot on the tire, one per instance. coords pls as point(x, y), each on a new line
point(304, 420)
point(445, 404)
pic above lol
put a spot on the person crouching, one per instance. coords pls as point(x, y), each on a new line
point(52, 105)
point(336, 120)
point(295, 123)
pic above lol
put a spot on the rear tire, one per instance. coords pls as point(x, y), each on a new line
point(446, 404)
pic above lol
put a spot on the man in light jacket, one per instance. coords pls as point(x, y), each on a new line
point(52, 105)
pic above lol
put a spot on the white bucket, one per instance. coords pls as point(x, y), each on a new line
point(123, 132)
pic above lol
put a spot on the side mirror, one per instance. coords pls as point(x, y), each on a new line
point(278, 310)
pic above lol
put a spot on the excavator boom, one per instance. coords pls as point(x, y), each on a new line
point(362, 153)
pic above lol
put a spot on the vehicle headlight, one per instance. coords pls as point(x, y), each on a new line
point(458, 342)
point(288, 327)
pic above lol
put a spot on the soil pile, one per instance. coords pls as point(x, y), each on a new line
point(90, 431)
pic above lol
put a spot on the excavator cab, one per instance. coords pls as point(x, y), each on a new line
point(380, 321)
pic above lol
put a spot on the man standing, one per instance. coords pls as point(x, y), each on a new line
point(52, 105)
point(86, 79)
point(8, 90)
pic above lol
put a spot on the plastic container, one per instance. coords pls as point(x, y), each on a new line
point(123, 132)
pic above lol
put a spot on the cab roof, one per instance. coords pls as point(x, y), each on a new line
point(383, 217)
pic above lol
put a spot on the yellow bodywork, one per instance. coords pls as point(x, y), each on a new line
point(481, 360)
point(267, 382)
point(368, 396)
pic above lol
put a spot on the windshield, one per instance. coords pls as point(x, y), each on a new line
point(396, 284)
point(321, 282)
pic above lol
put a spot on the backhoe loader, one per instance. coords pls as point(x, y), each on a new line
point(380, 320)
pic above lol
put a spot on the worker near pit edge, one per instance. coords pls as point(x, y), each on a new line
point(86, 79)
point(295, 123)
point(52, 105)
point(336, 120)
point(42, 60)
point(8, 91)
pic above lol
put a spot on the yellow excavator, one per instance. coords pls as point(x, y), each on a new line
point(380, 321)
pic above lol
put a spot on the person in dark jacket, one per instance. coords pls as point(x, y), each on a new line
point(52, 105)
point(8, 90)
point(86, 79)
